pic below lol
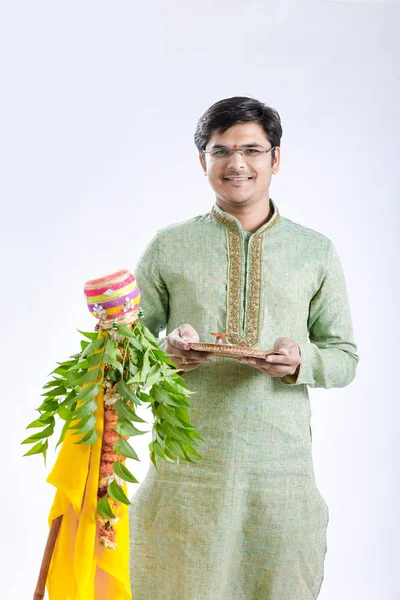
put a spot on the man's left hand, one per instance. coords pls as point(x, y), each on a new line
point(278, 365)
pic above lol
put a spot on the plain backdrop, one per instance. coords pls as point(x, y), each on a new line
point(98, 107)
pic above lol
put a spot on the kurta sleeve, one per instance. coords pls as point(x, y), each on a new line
point(330, 357)
point(153, 291)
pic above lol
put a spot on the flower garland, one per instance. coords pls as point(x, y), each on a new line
point(117, 365)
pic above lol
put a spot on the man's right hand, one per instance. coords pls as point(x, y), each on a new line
point(179, 350)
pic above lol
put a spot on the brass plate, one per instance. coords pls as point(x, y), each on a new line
point(231, 351)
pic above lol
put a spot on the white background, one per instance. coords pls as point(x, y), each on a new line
point(99, 102)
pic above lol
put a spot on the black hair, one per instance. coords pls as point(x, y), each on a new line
point(239, 109)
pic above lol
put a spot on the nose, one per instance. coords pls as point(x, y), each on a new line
point(236, 160)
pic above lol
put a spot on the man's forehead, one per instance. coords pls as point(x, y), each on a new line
point(240, 134)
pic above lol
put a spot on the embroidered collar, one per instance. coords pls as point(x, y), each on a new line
point(231, 222)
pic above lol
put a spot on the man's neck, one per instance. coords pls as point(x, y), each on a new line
point(251, 217)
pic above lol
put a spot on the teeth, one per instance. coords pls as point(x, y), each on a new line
point(238, 178)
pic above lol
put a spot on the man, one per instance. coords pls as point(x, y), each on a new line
point(247, 522)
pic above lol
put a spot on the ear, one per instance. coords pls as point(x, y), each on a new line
point(277, 160)
point(202, 162)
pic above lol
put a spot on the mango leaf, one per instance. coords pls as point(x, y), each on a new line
point(124, 390)
point(104, 509)
point(121, 471)
point(89, 438)
point(37, 449)
point(117, 493)
point(123, 447)
point(125, 411)
point(89, 335)
point(125, 427)
point(39, 436)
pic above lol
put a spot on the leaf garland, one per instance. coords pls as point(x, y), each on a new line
point(126, 359)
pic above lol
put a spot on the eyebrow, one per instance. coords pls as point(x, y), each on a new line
point(251, 145)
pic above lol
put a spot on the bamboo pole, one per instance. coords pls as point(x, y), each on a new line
point(48, 553)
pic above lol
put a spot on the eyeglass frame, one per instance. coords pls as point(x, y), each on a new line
point(240, 149)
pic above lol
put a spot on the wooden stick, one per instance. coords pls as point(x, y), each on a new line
point(48, 553)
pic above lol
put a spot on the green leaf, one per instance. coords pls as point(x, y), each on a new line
point(123, 447)
point(60, 371)
point(126, 331)
point(164, 412)
point(39, 436)
point(190, 450)
point(89, 438)
point(57, 382)
point(95, 359)
point(58, 391)
point(145, 366)
point(124, 390)
point(153, 459)
point(173, 386)
point(136, 344)
point(154, 376)
point(158, 449)
point(104, 509)
point(117, 493)
point(84, 344)
point(125, 427)
point(85, 424)
point(125, 411)
point(89, 377)
point(63, 432)
point(81, 364)
point(111, 348)
point(85, 409)
point(64, 412)
point(48, 405)
point(70, 399)
point(175, 447)
point(90, 390)
point(40, 422)
point(93, 346)
point(121, 471)
point(37, 449)
point(89, 335)
point(109, 360)
point(175, 433)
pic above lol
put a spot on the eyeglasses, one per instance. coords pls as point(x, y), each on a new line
point(249, 152)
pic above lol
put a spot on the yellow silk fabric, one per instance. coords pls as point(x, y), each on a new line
point(81, 569)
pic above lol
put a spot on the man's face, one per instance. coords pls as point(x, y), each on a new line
point(221, 173)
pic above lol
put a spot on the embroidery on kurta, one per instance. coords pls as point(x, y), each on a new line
point(236, 270)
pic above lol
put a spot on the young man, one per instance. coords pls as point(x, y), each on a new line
point(247, 522)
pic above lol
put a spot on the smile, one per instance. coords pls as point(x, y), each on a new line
point(237, 178)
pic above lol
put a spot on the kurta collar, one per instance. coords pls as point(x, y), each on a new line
point(231, 222)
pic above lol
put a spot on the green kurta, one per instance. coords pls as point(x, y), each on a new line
point(247, 522)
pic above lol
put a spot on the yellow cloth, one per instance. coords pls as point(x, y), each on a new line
point(81, 569)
